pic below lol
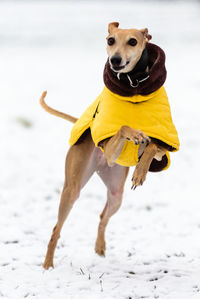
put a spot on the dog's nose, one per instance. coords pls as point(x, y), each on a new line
point(116, 60)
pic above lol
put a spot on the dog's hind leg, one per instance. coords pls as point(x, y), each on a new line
point(114, 178)
point(79, 167)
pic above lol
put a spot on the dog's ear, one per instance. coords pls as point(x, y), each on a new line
point(147, 36)
point(112, 26)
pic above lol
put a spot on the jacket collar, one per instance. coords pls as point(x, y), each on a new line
point(138, 81)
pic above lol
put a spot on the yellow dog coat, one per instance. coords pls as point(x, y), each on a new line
point(150, 114)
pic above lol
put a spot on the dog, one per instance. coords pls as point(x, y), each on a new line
point(131, 81)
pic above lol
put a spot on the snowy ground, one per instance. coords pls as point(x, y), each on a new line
point(153, 242)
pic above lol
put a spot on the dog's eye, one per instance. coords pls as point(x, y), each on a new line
point(111, 41)
point(132, 42)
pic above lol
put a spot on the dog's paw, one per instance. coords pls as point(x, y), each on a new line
point(100, 249)
point(138, 137)
point(48, 264)
point(139, 177)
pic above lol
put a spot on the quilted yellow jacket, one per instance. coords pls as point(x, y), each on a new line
point(150, 114)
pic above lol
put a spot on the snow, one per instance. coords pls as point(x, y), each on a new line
point(153, 244)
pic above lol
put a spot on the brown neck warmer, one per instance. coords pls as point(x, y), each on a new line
point(157, 75)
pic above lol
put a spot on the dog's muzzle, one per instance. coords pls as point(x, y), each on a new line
point(115, 62)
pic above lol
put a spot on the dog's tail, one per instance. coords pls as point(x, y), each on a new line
point(55, 112)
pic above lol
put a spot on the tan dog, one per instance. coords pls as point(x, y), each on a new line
point(124, 49)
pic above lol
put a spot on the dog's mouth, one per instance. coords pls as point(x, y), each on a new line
point(119, 68)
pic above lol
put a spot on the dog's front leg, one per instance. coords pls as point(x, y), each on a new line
point(113, 146)
point(143, 165)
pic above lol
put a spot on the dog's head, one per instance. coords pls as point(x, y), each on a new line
point(125, 47)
